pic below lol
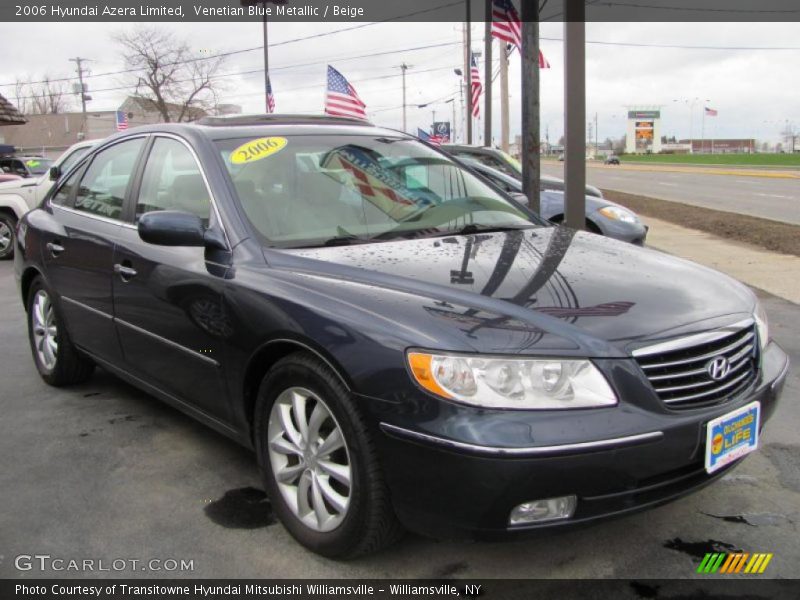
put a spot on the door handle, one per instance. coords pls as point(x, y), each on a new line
point(125, 273)
point(55, 248)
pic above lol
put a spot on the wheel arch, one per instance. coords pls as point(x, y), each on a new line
point(267, 355)
point(13, 205)
point(591, 226)
point(28, 275)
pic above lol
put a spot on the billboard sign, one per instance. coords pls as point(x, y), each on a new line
point(644, 114)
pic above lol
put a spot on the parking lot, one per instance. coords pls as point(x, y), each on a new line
point(102, 471)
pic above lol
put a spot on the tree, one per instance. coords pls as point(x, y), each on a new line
point(41, 98)
point(790, 135)
point(168, 74)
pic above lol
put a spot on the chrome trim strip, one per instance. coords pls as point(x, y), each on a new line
point(654, 378)
point(89, 215)
point(680, 399)
point(705, 356)
point(694, 340)
point(699, 384)
point(86, 307)
point(164, 340)
point(579, 447)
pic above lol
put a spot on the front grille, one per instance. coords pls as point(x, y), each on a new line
point(679, 373)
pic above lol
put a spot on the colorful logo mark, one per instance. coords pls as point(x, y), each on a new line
point(735, 562)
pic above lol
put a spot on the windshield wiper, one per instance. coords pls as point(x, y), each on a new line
point(470, 228)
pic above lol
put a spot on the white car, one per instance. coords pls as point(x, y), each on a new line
point(19, 196)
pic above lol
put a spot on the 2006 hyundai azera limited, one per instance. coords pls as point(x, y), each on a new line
point(400, 343)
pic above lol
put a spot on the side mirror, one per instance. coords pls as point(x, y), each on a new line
point(55, 173)
point(519, 197)
point(172, 228)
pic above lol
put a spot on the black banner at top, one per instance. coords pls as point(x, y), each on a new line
point(385, 10)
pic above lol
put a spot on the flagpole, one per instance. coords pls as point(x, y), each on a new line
point(468, 70)
point(266, 59)
point(504, 97)
point(487, 90)
point(703, 133)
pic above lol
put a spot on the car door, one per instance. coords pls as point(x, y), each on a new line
point(168, 300)
point(78, 252)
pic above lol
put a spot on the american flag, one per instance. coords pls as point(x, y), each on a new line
point(341, 99)
point(543, 63)
point(270, 97)
point(505, 23)
point(711, 112)
point(122, 120)
point(431, 139)
point(507, 27)
point(477, 88)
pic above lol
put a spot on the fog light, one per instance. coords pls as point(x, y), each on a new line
point(548, 509)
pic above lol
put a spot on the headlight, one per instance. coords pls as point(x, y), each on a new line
point(617, 213)
point(512, 383)
point(760, 315)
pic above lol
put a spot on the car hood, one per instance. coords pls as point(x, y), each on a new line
point(549, 278)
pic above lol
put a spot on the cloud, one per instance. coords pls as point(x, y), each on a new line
point(753, 90)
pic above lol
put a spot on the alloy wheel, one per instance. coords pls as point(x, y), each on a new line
point(6, 237)
point(309, 458)
point(44, 330)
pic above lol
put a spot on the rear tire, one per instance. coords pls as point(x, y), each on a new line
point(8, 236)
point(334, 503)
point(57, 360)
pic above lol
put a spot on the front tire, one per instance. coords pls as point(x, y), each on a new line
point(57, 360)
point(319, 463)
point(8, 234)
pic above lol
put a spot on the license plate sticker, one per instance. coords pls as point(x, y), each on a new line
point(732, 436)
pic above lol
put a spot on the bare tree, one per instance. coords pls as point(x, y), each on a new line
point(48, 97)
point(167, 74)
point(41, 98)
point(790, 135)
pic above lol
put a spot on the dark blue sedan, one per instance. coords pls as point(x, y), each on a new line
point(402, 344)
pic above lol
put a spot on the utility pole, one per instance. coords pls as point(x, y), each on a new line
point(404, 67)
point(575, 115)
point(468, 69)
point(530, 103)
point(487, 90)
point(504, 97)
point(596, 137)
point(452, 139)
point(79, 69)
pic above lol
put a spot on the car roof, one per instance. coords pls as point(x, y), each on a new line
point(244, 126)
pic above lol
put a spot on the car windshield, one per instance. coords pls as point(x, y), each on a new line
point(312, 190)
point(38, 166)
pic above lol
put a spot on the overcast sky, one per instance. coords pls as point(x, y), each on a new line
point(755, 91)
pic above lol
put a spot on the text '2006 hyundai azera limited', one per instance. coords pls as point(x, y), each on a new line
point(402, 344)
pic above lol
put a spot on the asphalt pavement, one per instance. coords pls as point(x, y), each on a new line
point(768, 196)
point(105, 472)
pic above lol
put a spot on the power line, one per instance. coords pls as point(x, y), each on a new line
point(285, 67)
point(244, 50)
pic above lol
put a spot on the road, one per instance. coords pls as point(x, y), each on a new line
point(776, 198)
point(103, 471)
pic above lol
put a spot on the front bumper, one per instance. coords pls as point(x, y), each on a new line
point(460, 472)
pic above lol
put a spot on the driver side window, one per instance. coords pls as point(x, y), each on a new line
point(172, 180)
